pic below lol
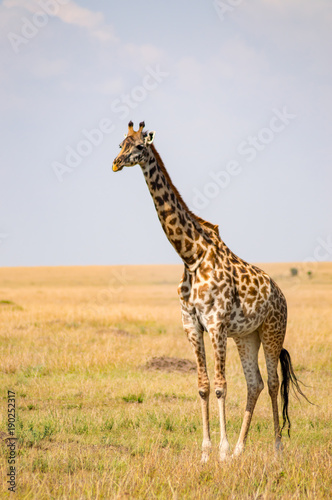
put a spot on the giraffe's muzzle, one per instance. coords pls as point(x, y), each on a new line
point(116, 167)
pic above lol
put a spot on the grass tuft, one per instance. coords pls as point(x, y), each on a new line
point(133, 398)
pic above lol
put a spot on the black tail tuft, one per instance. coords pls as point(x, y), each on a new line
point(288, 376)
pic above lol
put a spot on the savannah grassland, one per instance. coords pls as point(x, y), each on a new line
point(92, 422)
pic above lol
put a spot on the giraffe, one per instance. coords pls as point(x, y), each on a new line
point(220, 294)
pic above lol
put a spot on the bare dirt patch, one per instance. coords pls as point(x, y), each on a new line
point(167, 364)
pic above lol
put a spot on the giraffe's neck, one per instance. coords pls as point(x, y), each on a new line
point(184, 231)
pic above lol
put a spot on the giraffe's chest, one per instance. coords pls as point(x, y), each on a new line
point(204, 295)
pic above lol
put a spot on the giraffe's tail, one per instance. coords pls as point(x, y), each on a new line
point(288, 376)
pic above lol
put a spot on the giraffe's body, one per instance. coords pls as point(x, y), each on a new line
point(226, 289)
point(219, 293)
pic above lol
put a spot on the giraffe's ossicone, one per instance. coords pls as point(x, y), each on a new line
point(220, 294)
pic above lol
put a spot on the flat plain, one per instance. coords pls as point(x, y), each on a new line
point(102, 412)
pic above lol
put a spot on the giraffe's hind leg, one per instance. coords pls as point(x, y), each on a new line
point(248, 348)
point(272, 339)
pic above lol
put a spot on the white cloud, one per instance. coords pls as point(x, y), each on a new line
point(94, 22)
point(70, 13)
point(29, 5)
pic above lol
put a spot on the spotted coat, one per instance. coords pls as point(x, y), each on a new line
point(219, 293)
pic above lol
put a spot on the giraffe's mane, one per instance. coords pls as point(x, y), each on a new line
point(205, 224)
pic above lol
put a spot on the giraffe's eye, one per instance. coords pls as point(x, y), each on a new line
point(139, 147)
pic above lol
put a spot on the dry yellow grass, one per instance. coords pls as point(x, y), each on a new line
point(93, 423)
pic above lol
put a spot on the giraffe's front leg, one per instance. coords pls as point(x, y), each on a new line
point(219, 340)
point(195, 336)
point(204, 394)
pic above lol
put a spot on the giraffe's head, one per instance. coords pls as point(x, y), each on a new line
point(134, 148)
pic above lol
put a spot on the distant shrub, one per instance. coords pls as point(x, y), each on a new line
point(294, 271)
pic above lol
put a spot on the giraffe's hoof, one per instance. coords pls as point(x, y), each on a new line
point(223, 456)
point(206, 449)
point(238, 450)
point(224, 452)
point(278, 448)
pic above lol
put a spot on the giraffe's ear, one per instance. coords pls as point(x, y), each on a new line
point(149, 138)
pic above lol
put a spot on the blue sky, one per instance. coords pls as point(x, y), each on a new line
point(238, 92)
